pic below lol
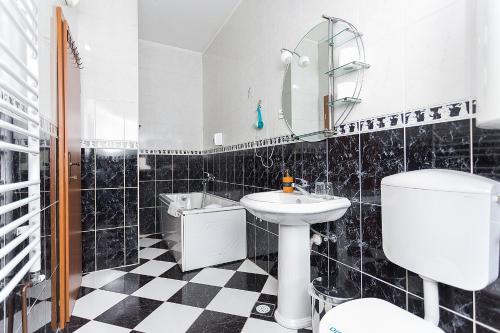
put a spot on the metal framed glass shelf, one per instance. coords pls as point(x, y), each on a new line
point(348, 68)
point(344, 101)
point(343, 36)
point(326, 133)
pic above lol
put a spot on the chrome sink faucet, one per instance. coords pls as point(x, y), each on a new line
point(302, 188)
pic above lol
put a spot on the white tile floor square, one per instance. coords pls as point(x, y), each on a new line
point(153, 268)
point(150, 253)
point(160, 289)
point(98, 327)
point(271, 286)
point(213, 276)
point(169, 317)
point(147, 242)
point(250, 267)
point(234, 301)
point(95, 303)
point(100, 278)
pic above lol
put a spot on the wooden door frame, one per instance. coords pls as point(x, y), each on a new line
point(62, 58)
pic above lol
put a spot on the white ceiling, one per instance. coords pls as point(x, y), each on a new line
point(188, 24)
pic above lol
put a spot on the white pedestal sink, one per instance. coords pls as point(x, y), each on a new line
point(295, 213)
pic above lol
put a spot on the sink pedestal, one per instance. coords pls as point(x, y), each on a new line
point(294, 303)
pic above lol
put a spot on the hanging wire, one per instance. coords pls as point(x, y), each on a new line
point(270, 158)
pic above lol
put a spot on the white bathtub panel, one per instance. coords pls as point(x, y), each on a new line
point(213, 238)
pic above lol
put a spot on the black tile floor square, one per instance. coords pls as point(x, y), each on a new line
point(129, 312)
point(160, 245)
point(247, 281)
point(74, 324)
point(128, 283)
point(167, 256)
point(217, 322)
point(263, 311)
point(84, 291)
point(234, 265)
point(176, 274)
point(195, 294)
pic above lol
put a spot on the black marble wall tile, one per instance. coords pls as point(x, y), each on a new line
point(444, 145)
point(378, 289)
point(344, 279)
point(238, 167)
point(216, 161)
point(220, 189)
point(314, 162)
point(147, 167)
point(147, 223)
point(486, 152)
point(230, 167)
point(109, 168)
point(319, 265)
point(320, 229)
point(260, 179)
point(292, 159)
point(251, 241)
point(343, 166)
point(274, 228)
point(110, 247)
point(147, 194)
point(131, 207)
point(132, 245)
point(181, 186)
point(382, 154)
point(482, 329)
point(87, 168)
point(195, 167)
point(131, 168)
point(163, 186)
point(273, 254)
point(164, 167)
point(262, 249)
point(452, 323)
point(109, 208)
point(374, 259)
point(195, 185)
point(210, 164)
point(88, 251)
point(180, 167)
point(249, 167)
point(275, 170)
point(344, 237)
point(87, 210)
point(223, 167)
point(488, 305)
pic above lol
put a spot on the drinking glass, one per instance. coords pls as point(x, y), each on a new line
point(319, 189)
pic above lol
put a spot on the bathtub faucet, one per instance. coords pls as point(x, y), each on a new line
point(204, 182)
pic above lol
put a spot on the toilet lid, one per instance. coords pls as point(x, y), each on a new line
point(375, 316)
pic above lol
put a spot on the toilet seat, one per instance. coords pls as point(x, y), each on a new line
point(373, 315)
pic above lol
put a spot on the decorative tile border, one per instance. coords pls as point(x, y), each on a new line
point(422, 116)
point(118, 144)
point(170, 152)
point(13, 101)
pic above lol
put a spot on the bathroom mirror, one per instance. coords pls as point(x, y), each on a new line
point(323, 79)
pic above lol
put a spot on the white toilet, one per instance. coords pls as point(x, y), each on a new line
point(443, 225)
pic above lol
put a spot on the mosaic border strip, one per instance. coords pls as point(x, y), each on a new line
point(464, 109)
point(117, 144)
point(13, 101)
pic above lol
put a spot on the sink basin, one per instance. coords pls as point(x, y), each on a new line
point(294, 212)
point(294, 208)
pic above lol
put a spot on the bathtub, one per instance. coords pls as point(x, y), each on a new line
point(203, 236)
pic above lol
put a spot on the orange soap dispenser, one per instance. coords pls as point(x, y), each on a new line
point(287, 183)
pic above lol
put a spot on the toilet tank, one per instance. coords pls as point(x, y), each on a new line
point(444, 225)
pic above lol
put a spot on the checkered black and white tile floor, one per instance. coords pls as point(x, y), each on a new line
point(155, 296)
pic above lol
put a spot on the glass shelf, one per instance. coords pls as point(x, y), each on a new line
point(343, 36)
point(347, 68)
point(345, 100)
